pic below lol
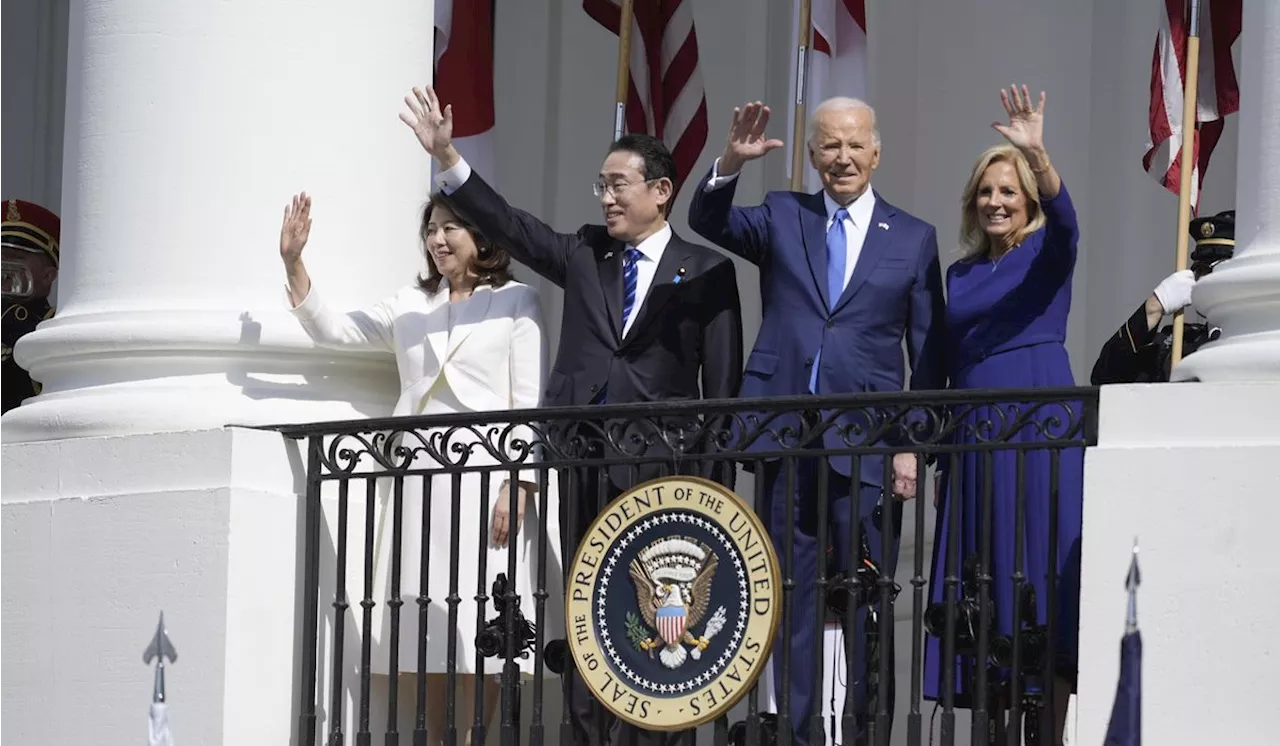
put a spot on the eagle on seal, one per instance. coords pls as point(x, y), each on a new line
point(673, 589)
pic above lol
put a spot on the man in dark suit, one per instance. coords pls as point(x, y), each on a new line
point(844, 276)
point(648, 317)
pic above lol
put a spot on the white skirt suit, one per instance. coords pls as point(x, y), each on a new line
point(481, 354)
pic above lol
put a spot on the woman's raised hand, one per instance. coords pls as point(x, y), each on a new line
point(295, 229)
point(1025, 129)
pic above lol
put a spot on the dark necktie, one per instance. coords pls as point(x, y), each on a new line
point(630, 276)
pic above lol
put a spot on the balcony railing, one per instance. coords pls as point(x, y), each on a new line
point(362, 474)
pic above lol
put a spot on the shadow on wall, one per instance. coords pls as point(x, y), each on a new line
point(273, 375)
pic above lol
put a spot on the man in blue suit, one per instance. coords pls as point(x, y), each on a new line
point(844, 277)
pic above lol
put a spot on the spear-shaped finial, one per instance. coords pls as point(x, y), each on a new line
point(159, 649)
point(1131, 582)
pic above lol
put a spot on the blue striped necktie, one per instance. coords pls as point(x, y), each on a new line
point(630, 275)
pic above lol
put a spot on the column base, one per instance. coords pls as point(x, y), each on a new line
point(1243, 297)
point(1189, 472)
point(159, 371)
point(101, 535)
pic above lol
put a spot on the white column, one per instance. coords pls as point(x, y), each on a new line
point(1243, 295)
point(189, 126)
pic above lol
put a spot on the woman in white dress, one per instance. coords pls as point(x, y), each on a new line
point(467, 338)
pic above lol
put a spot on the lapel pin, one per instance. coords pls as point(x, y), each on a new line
point(883, 226)
point(608, 255)
point(679, 276)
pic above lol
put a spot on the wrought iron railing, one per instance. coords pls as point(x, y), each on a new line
point(591, 454)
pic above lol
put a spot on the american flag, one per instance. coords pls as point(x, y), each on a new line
point(667, 99)
point(1217, 93)
point(837, 64)
point(671, 623)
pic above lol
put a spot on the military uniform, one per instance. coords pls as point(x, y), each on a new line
point(27, 227)
point(1136, 354)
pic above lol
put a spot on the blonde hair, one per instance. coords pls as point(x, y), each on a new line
point(974, 242)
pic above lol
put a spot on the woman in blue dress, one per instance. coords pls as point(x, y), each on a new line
point(1007, 305)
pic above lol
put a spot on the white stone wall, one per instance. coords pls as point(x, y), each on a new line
point(100, 536)
point(1180, 469)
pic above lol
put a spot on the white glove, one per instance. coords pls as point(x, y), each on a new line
point(1174, 291)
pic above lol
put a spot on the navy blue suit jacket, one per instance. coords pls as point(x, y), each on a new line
point(895, 292)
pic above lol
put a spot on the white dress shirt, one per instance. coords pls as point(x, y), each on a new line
point(855, 226)
point(450, 179)
point(650, 249)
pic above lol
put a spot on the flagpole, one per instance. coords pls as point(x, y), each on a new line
point(624, 69)
point(804, 33)
point(1188, 141)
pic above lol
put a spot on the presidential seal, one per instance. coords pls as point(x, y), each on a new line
point(673, 602)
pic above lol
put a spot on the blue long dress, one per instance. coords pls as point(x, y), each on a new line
point(1006, 325)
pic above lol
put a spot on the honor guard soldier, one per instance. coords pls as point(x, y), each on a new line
point(30, 244)
point(1137, 353)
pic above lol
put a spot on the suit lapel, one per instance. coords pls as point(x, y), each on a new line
point(437, 322)
point(610, 268)
point(468, 316)
point(813, 227)
point(876, 245)
point(673, 264)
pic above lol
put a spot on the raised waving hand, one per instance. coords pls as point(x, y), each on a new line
point(296, 228)
point(1025, 129)
point(746, 140)
point(294, 232)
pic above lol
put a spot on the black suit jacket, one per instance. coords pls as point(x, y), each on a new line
point(1136, 354)
point(686, 342)
point(20, 319)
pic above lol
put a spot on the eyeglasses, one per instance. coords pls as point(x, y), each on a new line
point(599, 188)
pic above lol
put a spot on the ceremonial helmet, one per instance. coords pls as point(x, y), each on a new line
point(1215, 238)
point(31, 228)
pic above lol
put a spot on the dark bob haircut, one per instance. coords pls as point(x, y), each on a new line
point(492, 264)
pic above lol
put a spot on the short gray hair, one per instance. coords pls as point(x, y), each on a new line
point(843, 103)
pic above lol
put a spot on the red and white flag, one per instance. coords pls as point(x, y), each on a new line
point(667, 99)
point(464, 77)
point(837, 63)
point(1217, 93)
